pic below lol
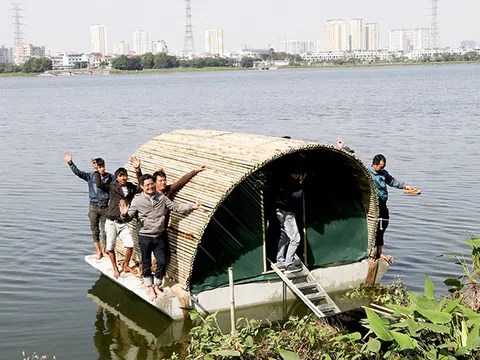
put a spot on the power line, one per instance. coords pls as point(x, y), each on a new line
point(188, 44)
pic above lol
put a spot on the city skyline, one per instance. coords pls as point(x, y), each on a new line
point(284, 21)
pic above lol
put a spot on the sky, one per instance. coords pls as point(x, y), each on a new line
point(65, 25)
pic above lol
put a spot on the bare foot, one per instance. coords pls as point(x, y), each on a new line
point(159, 292)
point(151, 293)
point(99, 255)
point(128, 269)
point(387, 258)
point(116, 274)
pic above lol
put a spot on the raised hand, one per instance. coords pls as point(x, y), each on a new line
point(196, 205)
point(67, 157)
point(135, 162)
point(123, 207)
point(94, 164)
point(200, 168)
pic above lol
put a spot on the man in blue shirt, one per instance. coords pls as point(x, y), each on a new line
point(98, 200)
point(382, 178)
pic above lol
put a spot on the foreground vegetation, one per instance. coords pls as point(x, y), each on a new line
point(405, 325)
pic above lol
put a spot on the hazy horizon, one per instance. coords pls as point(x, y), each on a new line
point(62, 26)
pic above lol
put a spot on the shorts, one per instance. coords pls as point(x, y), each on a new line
point(116, 229)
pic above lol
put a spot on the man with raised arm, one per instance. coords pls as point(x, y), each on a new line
point(160, 178)
point(98, 200)
point(382, 178)
point(120, 189)
point(150, 209)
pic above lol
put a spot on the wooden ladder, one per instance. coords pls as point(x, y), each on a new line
point(304, 285)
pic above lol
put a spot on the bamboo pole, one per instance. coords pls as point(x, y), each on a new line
point(232, 299)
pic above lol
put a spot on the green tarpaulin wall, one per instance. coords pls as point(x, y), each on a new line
point(335, 214)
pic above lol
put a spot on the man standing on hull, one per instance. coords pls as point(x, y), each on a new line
point(98, 200)
point(120, 189)
point(382, 178)
point(150, 208)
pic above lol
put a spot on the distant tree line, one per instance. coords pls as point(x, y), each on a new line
point(293, 59)
point(164, 61)
point(469, 56)
point(32, 65)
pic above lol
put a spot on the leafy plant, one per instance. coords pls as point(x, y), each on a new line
point(395, 293)
point(427, 329)
point(469, 281)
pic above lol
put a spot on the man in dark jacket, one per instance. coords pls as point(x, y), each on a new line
point(120, 189)
point(98, 200)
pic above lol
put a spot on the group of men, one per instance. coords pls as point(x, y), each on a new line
point(114, 201)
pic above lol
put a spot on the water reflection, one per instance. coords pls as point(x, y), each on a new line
point(128, 328)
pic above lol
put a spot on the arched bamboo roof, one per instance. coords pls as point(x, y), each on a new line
point(229, 158)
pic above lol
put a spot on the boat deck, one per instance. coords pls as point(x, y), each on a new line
point(170, 304)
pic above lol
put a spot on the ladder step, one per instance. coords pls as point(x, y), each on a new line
point(298, 274)
point(306, 286)
point(326, 308)
point(316, 296)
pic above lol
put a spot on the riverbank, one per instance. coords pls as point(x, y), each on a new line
point(288, 67)
point(328, 66)
point(19, 74)
point(175, 70)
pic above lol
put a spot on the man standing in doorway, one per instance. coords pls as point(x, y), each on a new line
point(120, 189)
point(289, 203)
point(98, 200)
point(382, 178)
point(150, 208)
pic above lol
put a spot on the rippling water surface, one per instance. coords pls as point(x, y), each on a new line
point(424, 119)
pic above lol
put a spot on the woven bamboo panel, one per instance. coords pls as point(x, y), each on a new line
point(229, 158)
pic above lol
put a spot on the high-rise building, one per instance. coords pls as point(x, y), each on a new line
point(410, 39)
point(401, 40)
point(26, 51)
point(141, 42)
point(372, 35)
point(6, 55)
point(160, 46)
point(469, 44)
point(121, 48)
point(214, 42)
point(98, 39)
point(299, 46)
point(422, 39)
point(357, 35)
point(335, 36)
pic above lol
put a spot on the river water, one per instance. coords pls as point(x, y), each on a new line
point(423, 119)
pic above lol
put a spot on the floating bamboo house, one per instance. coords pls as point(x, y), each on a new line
point(233, 228)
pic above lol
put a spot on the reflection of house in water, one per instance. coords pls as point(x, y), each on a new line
point(127, 328)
